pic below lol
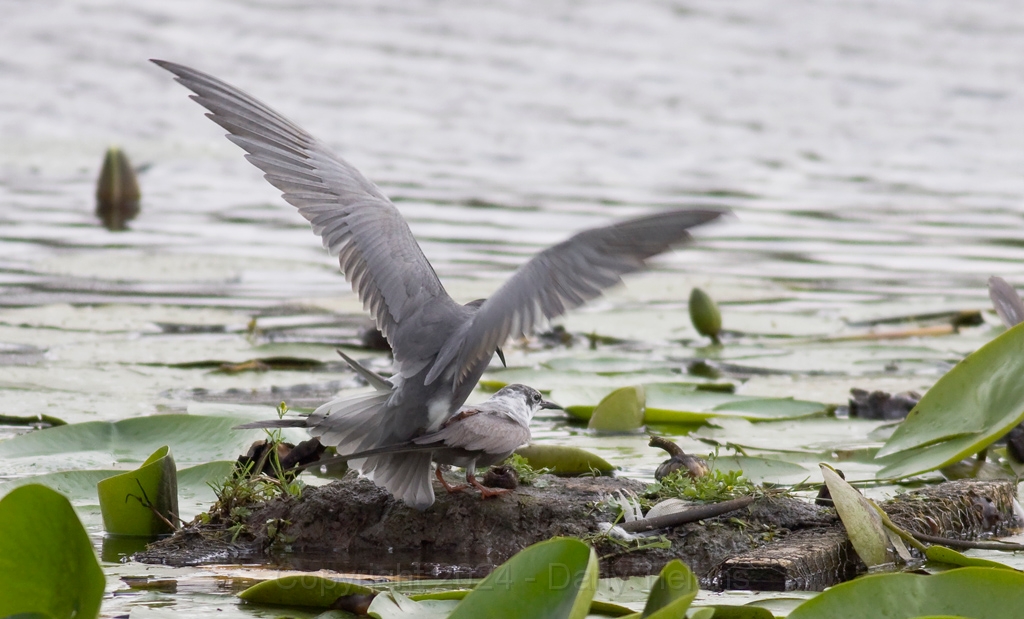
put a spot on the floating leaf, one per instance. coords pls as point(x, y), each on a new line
point(194, 438)
point(972, 405)
point(555, 578)
point(394, 605)
point(620, 411)
point(862, 522)
point(926, 458)
point(760, 470)
point(563, 460)
point(81, 485)
point(143, 502)
point(305, 590)
point(672, 593)
point(31, 420)
point(941, 554)
point(47, 565)
point(691, 403)
point(683, 403)
point(453, 594)
point(977, 592)
point(973, 468)
point(723, 611)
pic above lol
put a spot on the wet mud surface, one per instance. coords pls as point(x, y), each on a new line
point(351, 525)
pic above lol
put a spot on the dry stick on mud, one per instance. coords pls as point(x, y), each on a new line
point(701, 512)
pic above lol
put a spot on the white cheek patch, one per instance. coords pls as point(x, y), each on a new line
point(437, 412)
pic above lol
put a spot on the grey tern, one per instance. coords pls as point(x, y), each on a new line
point(476, 436)
point(441, 347)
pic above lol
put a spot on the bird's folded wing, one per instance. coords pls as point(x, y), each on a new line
point(561, 278)
point(376, 250)
point(484, 431)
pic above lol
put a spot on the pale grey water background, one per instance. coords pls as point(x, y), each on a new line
point(865, 147)
point(873, 153)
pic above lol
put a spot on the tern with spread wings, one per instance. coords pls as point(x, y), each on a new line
point(441, 347)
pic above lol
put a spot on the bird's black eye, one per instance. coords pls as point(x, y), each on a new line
point(536, 397)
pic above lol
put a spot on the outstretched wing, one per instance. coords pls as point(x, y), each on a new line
point(375, 248)
point(561, 278)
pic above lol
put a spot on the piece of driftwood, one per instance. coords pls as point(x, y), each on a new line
point(813, 560)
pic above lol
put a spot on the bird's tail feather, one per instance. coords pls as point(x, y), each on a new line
point(405, 475)
point(273, 423)
point(353, 424)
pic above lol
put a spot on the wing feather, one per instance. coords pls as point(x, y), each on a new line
point(561, 278)
point(375, 247)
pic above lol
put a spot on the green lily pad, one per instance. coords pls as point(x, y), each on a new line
point(761, 470)
point(306, 590)
point(394, 605)
point(941, 554)
point(29, 420)
point(81, 485)
point(928, 457)
point(553, 578)
point(971, 406)
point(723, 611)
point(689, 403)
point(862, 522)
point(620, 411)
point(563, 460)
point(683, 403)
point(47, 564)
point(597, 607)
point(672, 593)
point(977, 592)
point(143, 502)
point(605, 365)
point(194, 438)
point(454, 594)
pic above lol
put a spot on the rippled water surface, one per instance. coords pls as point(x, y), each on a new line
point(872, 154)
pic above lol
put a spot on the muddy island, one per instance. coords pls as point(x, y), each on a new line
point(774, 543)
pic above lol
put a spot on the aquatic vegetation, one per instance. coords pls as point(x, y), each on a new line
point(705, 315)
point(117, 191)
point(620, 411)
point(564, 460)
point(47, 564)
point(682, 403)
point(862, 519)
point(526, 473)
point(143, 502)
point(718, 485)
point(979, 592)
point(969, 408)
point(249, 486)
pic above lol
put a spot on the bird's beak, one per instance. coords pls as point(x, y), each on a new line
point(546, 404)
point(501, 356)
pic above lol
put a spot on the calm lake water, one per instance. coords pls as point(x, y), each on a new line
point(872, 154)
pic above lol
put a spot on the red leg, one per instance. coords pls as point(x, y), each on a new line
point(485, 492)
point(450, 488)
